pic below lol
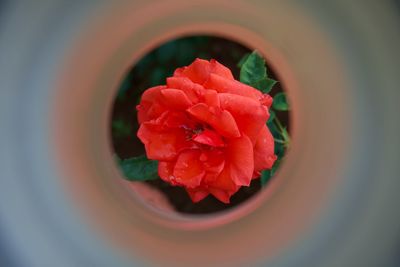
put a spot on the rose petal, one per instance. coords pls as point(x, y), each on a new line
point(221, 120)
point(223, 187)
point(264, 156)
point(266, 100)
point(151, 106)
point(213, 161)
point(152, 94)
point(235, 141)
point(210, 177)
point(197, 194)
point(191, 89)
point(220, 70)
point(208, 137)
point(173, 119)
point(240, 158)
point(178, 71)
point(223, 196)
point(250, 115)
point(161, 143)
point(188, 170)
point(200, 70)
point(224, 181)
point(175, 99)
point(165, 171)
point(211, 98)
point(224, 85)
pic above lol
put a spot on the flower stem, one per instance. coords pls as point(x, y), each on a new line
point(283, 132)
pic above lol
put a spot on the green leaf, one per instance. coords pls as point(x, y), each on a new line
point(279, 149)
point(253, 69)
point(276, 133)
point(269, 84)
point(266, 175)
point(285, 135)
point(264, 85)
point(279, 132)
point(280, 102)
point(139, 168)
point(254, 73)
point(271, 116)
point(244, 58)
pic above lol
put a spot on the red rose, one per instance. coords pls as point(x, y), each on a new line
point(207, 130)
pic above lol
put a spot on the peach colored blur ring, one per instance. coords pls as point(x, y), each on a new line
point(263, 228)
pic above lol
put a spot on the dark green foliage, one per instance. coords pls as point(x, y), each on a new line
point(254, 73)
point(139, 168)
point(267, 174)
point(280, 102)
point(120, 128)
point(244, 58)
point(264, 85)
point(272, 116)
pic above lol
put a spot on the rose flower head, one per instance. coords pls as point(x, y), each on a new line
point(207, 130)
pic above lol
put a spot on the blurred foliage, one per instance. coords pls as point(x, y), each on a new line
point(139, 168)
point(121, 128)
